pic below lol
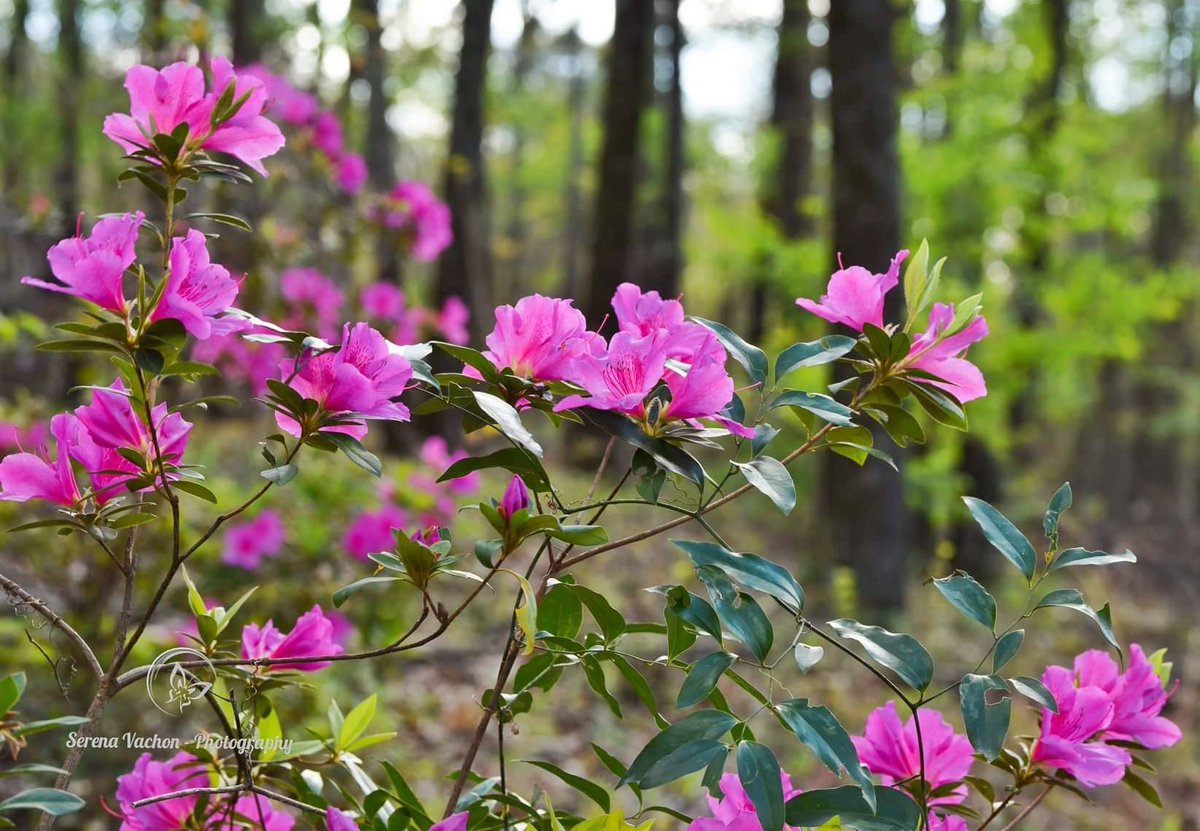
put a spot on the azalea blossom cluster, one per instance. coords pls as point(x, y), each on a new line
point(655, 347)
point(313, 302)
point(1101, 712)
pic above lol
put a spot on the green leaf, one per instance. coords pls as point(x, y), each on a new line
point(740, 612)
point(986, 722)
point(612, 624)
point(701, 754)
point(759, 773)
point(819, 405)
point(343, 594)
point(1034, 690)
point(753, 359)
point(902, 654)
point(150, 360)
point(692, 609)
point(224, 219)
point(702, 678)
point(668, 456)
point(698, 726)
point(356, 722)
point(1073, 599)
point(1003, 536)
point(526, 613)
point(820, 730)
point(1142, 788)
point(584, 535)
point(11, 689)
point(30, 768)
point(194, 489)
point(561, 612)
point(512, 459)
point(1007, 648)
point(79, 345)
point(587, 787)
point(748, 570)
point(818, 352)
point(50, 801)
point(916, 281)
point(280, 475)
point(1059, 503)
point(32, 728)
point(355, 452)
point(507, 420)
point(1083, 557)
point(894, 811)
point(970, 598)
point(772, 478)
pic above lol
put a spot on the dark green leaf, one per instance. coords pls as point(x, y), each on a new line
point(561, 613)
point(818, 352)
point(1073, 599)
point(195, 489)
point(748, 570)
point(1143, 788)
point(50, 801)
point(702, 754)
point(587, 787)
point(759, 772)
point(1034, 690)
point(740, 613)
point(820, 730)
point(769, 476)
point(895, 811)
point(11, 689)
point(1003, 536)
point(986, 718)
point(612, 624)
point(1083, 557)
point(753, 359)
point(970, 598)
point(1007, 648)
point(508, 421)
point(1059, 503)
point(902, 654)
point(511, 459)
point(703, 677)
point(355, 452)
point(698, 726)
point(819, 405)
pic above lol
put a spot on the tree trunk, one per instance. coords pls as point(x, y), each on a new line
point(791, 127)
point(245, 35)
point(630, 65)
point(865, 510)
point(465, 268)
point(70, 49)
point(517, 232)
point(14, 61)
point(154, 31)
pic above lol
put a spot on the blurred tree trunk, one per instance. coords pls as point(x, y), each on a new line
point(245, 35)
point(663, 266)
point(71, 80)
point(154, 31)
point(791, 127)
point(517, 233)
point(381, 170)
point(630, 67)
point(465, 268)
point(14, 61)
point(865, 511)
point(573, 225)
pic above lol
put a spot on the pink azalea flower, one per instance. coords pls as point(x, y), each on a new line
point(311, 636)
point(288, 103)
point(454, 822)
point(351, 172)
point(1138, 697)
point(452, 321)
point(150, 778)
point(734, 811)
point(374, 531)
point(259, 810)
point(940, 356)
point(436, 454)
point(706, 389)
point(336, 820)
point(318, 298)
point(644, 313)
point(424, 219)
point(516, 498)
point(538, 338)
point(162, 100)
point(429, 536)
point(619, 378)
point(382, 301)
point(1066, 740)
point(25, 476)
point(247, 543)
point(889, 749)
point(343, 627)
point(197, 290)
point(854, 296)
point(112, 423)
point(358, 379)
point(92, 268)
point(327, 134)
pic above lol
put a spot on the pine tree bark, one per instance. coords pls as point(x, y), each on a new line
point(866, 515)
point(245, 22)
point(70, 50)
point(517, 232)
point(573, 225)
point(627, 92)
point(14, 61)
point(791, 125)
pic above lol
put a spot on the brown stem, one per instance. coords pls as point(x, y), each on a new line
point(85, 651)
point(1028, 809)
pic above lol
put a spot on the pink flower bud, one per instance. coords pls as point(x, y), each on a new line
point(516, 498)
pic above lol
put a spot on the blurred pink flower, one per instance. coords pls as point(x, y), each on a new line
point(350, 170)
point(942, 356)
point(1067, 737)
point(454, 822)
point(25, 476)
point(247, 543)
point(336, 820)
point(288, 103)
point(92, 268)
point(538, 338)
point(452, 321)
point(734, 811)
point(150, 778)
point(412, 208)
point(644, 313)
point(197, 290)
point(327, 134)
point(374, 531)
point(854, 296)
point(436, 454)
point(317, 299)
point(310, 637)
point(255, 807)
point(359, 379)
point(382, 301)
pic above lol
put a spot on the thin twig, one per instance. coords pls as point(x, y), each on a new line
point(13, 588)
